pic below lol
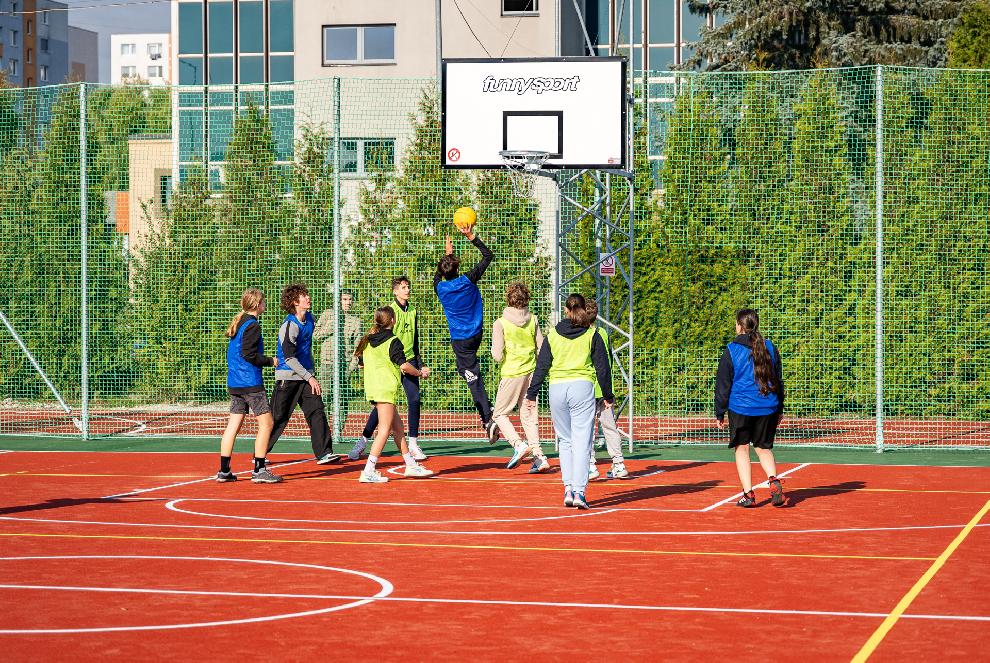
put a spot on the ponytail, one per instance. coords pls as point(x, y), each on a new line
point(384, 319)
point(576, 308)
point(251, 301)
point(749, 321)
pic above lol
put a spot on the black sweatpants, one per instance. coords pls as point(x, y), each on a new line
point(469, 368)
point(410, 384)
point(285, 396)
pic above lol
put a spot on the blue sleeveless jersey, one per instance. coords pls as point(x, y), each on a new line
point(304, 343)
point(745, 397)
point(462, 306)
point(240, 373)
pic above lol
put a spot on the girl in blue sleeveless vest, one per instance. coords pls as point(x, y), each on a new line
point(245, 359)
point(572, 357)
point(750, 386)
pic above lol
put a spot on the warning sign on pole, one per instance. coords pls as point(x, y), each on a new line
point(606, 264)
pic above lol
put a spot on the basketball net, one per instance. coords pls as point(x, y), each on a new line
point(522, 167)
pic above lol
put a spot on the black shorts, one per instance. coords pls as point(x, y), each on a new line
point(256, 400)
point(756, 430)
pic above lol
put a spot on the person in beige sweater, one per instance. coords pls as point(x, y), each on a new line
point(516, 338)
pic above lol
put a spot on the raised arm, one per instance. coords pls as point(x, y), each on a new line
point(486, 259)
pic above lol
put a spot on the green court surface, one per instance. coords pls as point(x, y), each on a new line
point(698, 453)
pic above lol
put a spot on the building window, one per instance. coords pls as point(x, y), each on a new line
point(44, 17)
point(14, 37)
point(220, 20)
point(358, 44)
point(164, 190)
point(14, 70)
point(29, 55)
point(251, 26)
point(280, 26)
point(43, 73)
point(190, 28)
point(516, 7)
point(363, 156)
point(30, 27)
point(155, 51)
point(128, 49)
point(155, 71)
point(44, 45)
point(128, 72)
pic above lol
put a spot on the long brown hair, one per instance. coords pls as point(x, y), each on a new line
point(251, 301)
point(576, 307)
point(749, 321)
point(384, 319)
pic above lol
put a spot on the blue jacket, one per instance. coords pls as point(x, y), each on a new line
point(245, 358)
point(736, 388)
point(461, 301)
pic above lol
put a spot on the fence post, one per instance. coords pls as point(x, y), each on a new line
point(338, 367)
point(878, 184)
point(83, 266)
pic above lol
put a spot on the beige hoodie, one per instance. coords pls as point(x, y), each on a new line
point(519, 317)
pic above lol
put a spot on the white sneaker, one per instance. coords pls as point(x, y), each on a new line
point(358, 450)
point(372, 477)
point(618, 471)
point(416, 452)
point(593, 472)
point(417, 471)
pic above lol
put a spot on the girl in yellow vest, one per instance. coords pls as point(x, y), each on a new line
point(384, 361)
point(516, 338)
point(572, 358)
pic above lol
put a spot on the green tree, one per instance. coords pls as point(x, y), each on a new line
point(969, 43)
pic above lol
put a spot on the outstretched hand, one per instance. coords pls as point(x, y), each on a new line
point(467, 231)
point(449, 246)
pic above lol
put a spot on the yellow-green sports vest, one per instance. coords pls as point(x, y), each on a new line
point(520, 348)
point(604, 335)
point(405, 327)
point(382, 378)
point(571, 357)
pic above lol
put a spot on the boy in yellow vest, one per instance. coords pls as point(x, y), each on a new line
point(516, 338)
point(407, 331)
point(606, 417)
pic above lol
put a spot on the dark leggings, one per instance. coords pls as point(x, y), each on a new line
point(410, 384)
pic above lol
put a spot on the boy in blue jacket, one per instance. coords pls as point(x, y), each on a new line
point(462, 306)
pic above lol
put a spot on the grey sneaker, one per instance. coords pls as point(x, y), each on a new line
point(358, 450)
point(618, 471)
point(326, 459)
point(224, 477)
point(265, 475)
point(491, 429)
point(540, 464)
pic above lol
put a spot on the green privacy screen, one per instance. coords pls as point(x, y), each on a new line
point(755, 189)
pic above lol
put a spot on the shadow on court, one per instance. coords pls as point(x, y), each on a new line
point(59, 503)
point(655, 492)
point(798, 495)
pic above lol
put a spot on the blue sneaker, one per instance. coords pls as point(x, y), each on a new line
point(568, 498)
point(517, 456)
point(539, 465)
point(580, 502)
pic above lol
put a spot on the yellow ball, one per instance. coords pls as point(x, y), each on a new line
point(465, 217)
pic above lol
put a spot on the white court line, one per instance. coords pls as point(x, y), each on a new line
point(186, 483)
point(145, 428)
point(759, 485)
point(336, 530)
point(531, 604)
point(386, 588)
point(570, 515)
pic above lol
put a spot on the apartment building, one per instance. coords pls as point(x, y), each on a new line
point(34, 42)
point(141, 57)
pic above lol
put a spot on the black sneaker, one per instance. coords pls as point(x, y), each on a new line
point(747, 499)
point(776, 492)
point(491, 428)
point(224, 477)
point(326, 459)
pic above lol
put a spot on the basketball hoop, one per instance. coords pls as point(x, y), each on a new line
point(522, 166)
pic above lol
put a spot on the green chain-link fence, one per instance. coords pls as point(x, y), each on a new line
point(756, 189)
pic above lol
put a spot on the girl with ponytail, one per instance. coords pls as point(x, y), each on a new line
point(750, 387)
point(245, 359)
point(383, 357)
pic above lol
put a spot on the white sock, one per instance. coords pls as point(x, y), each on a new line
point(412, 440)
point(618, 460)
point(369, 466)
point(410, 461)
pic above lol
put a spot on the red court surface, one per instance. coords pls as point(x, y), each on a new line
point(137, 556)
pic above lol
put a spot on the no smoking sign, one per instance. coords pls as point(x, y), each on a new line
point(453, 154)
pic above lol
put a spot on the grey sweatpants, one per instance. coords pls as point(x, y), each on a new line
point(613, 438)
point(572, 406)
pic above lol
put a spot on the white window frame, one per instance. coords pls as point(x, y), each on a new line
point(128, 71)
point(43, 73)
point(128, 49)
point(157, 50)
point(535, 11)
point(361, 60)
point(13, 37)
point(44, 17)
point(362, 153)
point(12, 66)
point(157, 67)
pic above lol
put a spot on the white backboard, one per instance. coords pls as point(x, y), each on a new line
point(573, 108)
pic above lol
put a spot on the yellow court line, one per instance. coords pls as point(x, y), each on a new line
point(460, 546)
point(906, 600)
